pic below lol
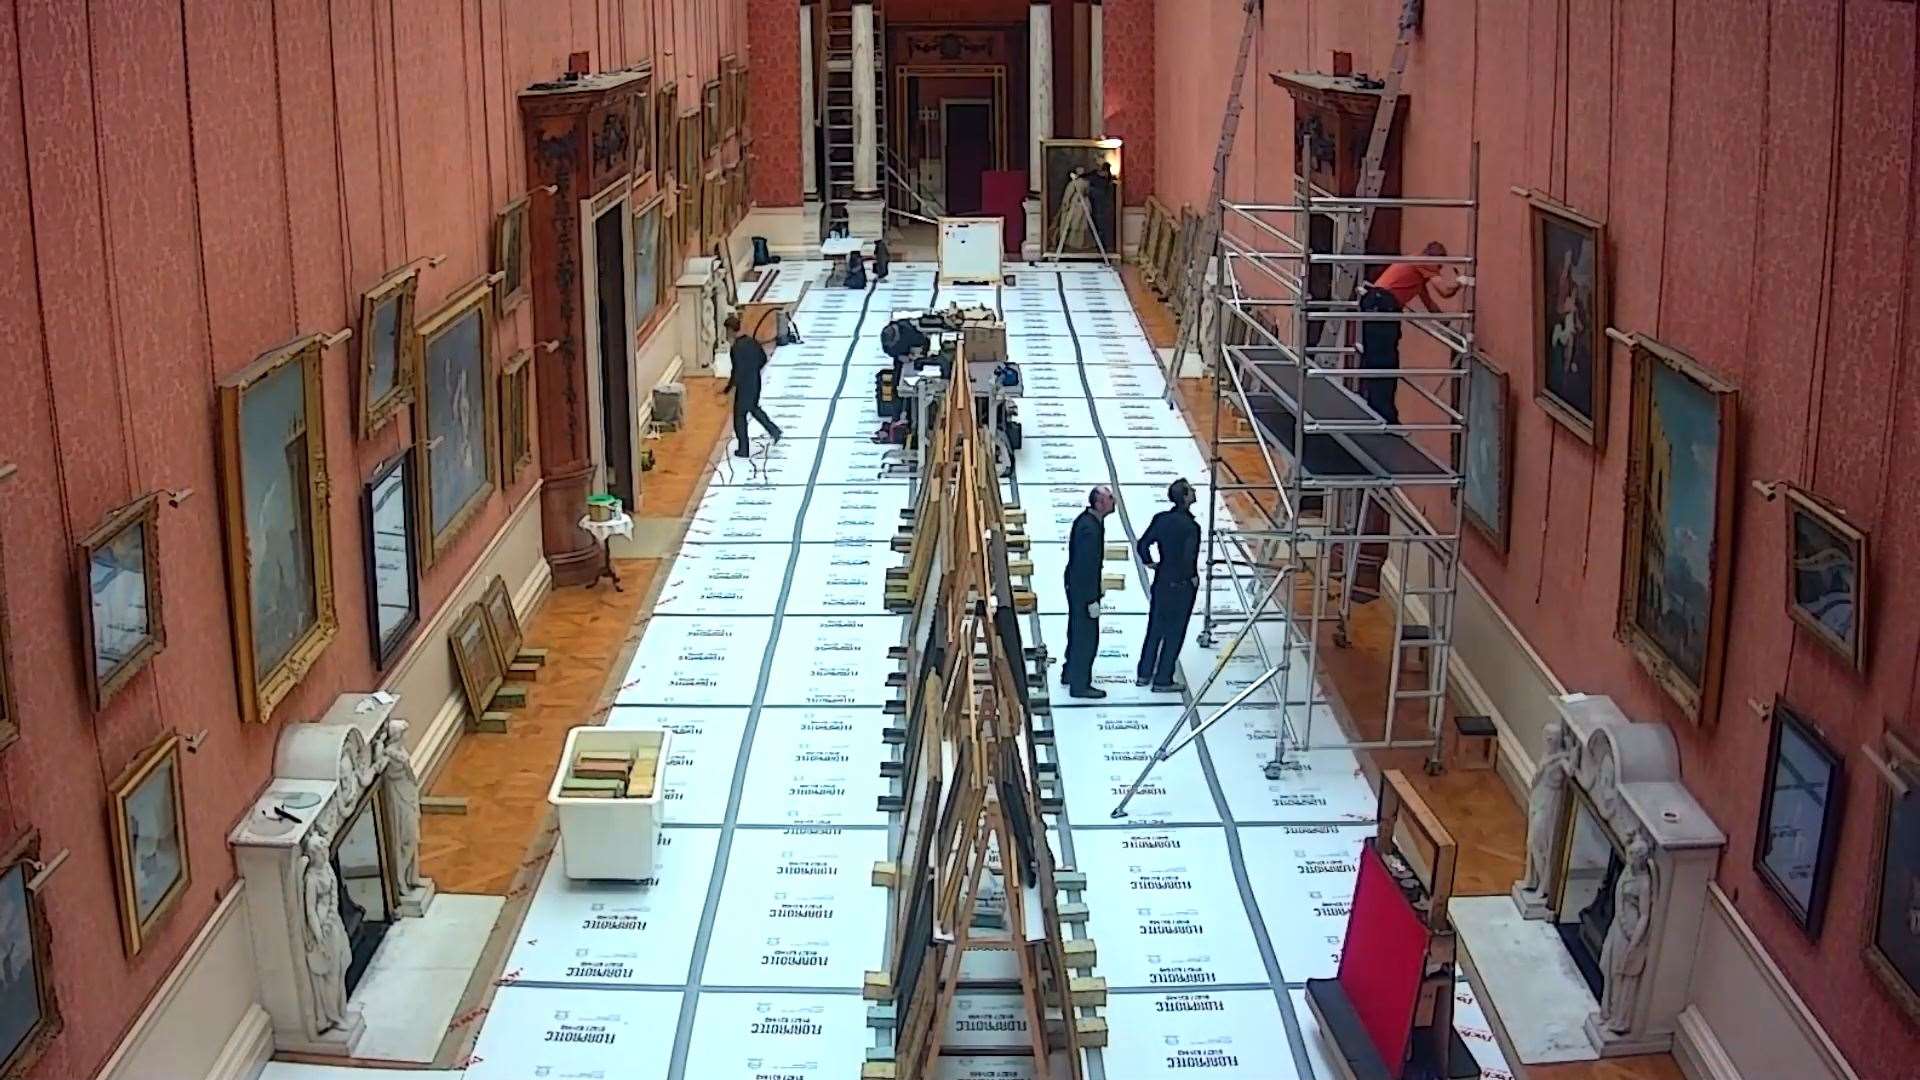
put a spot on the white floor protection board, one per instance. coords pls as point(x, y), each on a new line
point(287, 1070)
point(1113, 665)
point(819, 320)
point(1028, 322)
point(1040, 381)
point(970, 296)
point(814, 348)
point(1049, 576)
point(706, 746)
point(723, 579)
point(1041, 300)
point(1051, 509)
point(1049, 461)
point(1083, 300)
point(797, 909)
point(1132, 349)
point(1125, 381)
point(575, 1035)
point(617, 932)
point(1303, 877)
point(987, 1023)
point(1040, 349)
point(754, 1035)
point(841, 579)
point(853, 513)
point(1467, 1020)
point(1235, 1034)
point(831, 660)
point(800, 381)
point(1314, 785)
point(789, 461)
point(745, 515)
point(980, 1067)
point(1140, 418)
point(806, 772)
point(800, 418)
point(1102, 750)
point(850, 461)
point(1161, 904)
point(1244, 667)
point(696, 660)
point(1103, 323)
point(1058, 417)
point(413, 986)
point(1157, 463)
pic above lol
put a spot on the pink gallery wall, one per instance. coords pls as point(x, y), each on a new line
point(1752, 163)
point(184, 186)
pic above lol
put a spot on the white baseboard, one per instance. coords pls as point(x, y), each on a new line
point(213, 984)
point(248, 1049)
point(1697, 1050)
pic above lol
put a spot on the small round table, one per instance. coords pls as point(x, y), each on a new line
point(620, 524)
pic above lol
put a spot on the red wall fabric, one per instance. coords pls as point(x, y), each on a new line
point(773, 109)
point(1127, 77)
point(1003, 194)
point(1733, 151)
point(157, 235)
point(1384, 955)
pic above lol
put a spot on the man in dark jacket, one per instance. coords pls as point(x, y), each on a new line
point(748, 361)
point(1171, 548)
point(1086, 548)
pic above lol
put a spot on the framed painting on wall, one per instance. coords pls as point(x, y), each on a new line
point(710, 113)
point(273, 500)
point(1487, 466)
point(389, 512)
point(516, 416)
point(1572, 365)
point(120, 609)
point(649, 278)
point(1679, 528)
point(666, 145)
point(729, 106)
point(456, 421)
point(1893, 935)
point(640, 125)
point(510, 254)
point(148, 820)
point(1080, 184)
point(476, 658)
point(1827, 576)
point(386, 354)
point(1800, 803)
point(29, 1013)
point(739, 119)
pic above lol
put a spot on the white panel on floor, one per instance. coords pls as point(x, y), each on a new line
point(723, 579)
point(801, 773)
point(743, 515)
point(1103, 749)
point(539, 1031)
point(970, 296)
point(287, 1070)
point(986, 1022)
point(815, 349)
point(778, 1036)
point(1303, 877)
point(841, 579)
point(1131, 349)
point(1125, 380)
point(1085, 299)
point(1028, 323)
point(855, 419)
point(800, 381)
point(797, 909)
point(1243, 669)
point(979, 1067)
point(1021, 299)
point(818, 321)
point(1052, 381)
point(1103, 323)
point(822, 299)
point(1043, 460)
point(1051, 509)
point(693, 660)
point(1040, 349)
point(798, 418)
point(706, 747)
point(787, 462)
point(619, 933)
point(1142, 501)
point(1121, 637)
point(1059, 417)
point(833, 660)
point(1140, 418)
point(853, 513)
point(1159, 462)
point(849, 461)
point(413, 986)
point(1314, 785)
point(1225, 1034)
point(1162, 905)
point(1049, 578)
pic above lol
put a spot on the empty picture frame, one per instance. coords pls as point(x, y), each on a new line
point(1572, 363)
point(510, 254)
point(148, 821)
point(516, 416)
point(29, 1013)
point(502, 620)
point(273, 499)
point(1487, 466)
point(456, 418)
point(389, 513)
point(1674, 588)
point(1827, 576)
point(385, 348)
point(476, 656)
point(118, 566)
point(711, 132)
point(1800, 803)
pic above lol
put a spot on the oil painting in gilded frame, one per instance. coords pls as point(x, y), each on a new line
point(121, 617)
point(510, 255)
point(476, 658)
point(1800, 804)
point(9, 712)
point(1076, 174)
point(385, 347)
point(1893, 934)
point(1678, 552)
point(640, 127)
point(456, 418)
point(29, 1011)
point(711, 120)
point(389, 511)
point(273, 498)
point(666, 132)
point(1487, 464)
point(650, 279)
point(502, 620)
point(147, 817)
point(1572, 364)
point(1827, 576)
point(740, 86)
point(516, 416)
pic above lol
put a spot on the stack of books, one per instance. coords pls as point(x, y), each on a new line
point(611, 774)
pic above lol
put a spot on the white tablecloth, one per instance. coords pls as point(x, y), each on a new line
point(601, 531)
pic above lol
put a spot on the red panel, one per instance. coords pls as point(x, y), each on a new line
point(1003, 194)
point(1382, 960)
point(772, 112)
point(1127, 72)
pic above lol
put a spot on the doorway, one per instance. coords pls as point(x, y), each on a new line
point(610, 265)
point(967, 127)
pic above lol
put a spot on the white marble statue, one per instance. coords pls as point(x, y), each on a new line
point(1623, 957)
point(1543, 810)
point(328, 952)
point(403, 809)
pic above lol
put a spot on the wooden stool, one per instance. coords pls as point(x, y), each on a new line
point(1476, 743)
point(1415, 639)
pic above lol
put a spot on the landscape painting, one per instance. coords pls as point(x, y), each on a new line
point(1826, 576)
point(457, 426)
point(1680, 474)
point(28, 1014)
point(1487, 468)
point(1571, 361)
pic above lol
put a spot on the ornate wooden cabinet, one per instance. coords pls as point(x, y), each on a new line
point(1333, 120)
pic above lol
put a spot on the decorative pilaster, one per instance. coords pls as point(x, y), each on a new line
point(1039, 82)
point(1097, 71)
point(809, 105)
point(866, 131)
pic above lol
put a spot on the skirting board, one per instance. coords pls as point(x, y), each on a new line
point(248, 1048)
point(1697, 1050)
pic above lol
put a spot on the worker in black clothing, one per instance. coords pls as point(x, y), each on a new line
point(748, 360)
point(1171, 548)
point(1086, 548)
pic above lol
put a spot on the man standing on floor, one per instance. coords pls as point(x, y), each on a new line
point(1086, 548)
point(748, 358)
point(1176, 581)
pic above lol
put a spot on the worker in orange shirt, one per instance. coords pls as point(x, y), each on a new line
point(1396, 287)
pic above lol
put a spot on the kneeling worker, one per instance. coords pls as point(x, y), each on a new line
point(1176, 582)
point(748, 358)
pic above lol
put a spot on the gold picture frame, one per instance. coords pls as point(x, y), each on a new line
point(451, 499)
point(516, 416)
point(711, 133)
point(640, 129)
point(502, 620)
point(271, 658)
point(666, 145)
point(22, 912)
point(147, 817)
point(476, 658)
point(1060, 160)
point(729, 91)
point(386, 317)
point(510, 255)
point(129, 534)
